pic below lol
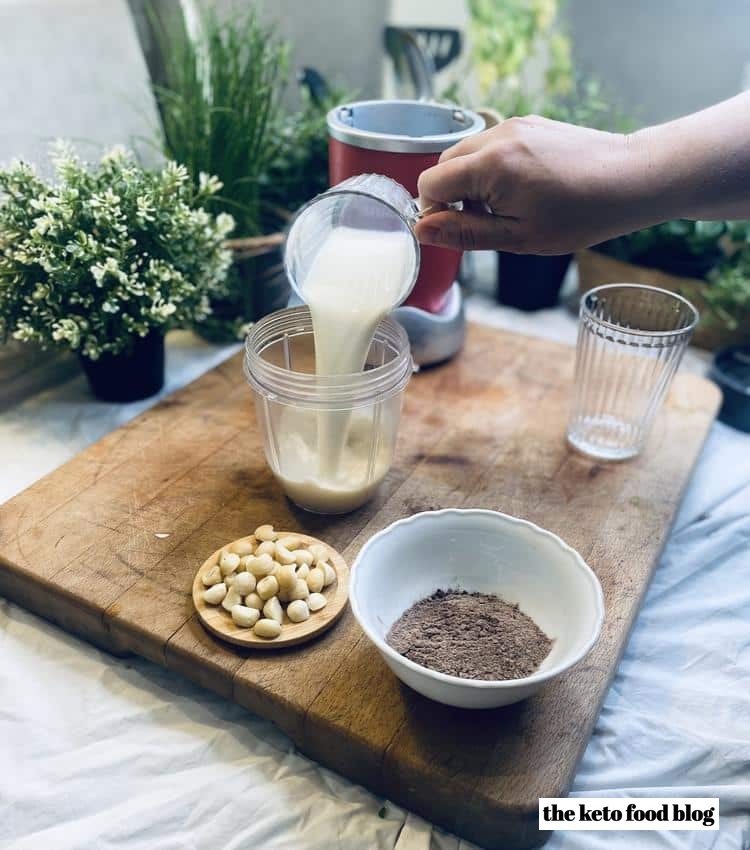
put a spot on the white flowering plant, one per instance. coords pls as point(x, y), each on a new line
point(101, 256)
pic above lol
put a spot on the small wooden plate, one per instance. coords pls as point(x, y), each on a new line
point(219, 622)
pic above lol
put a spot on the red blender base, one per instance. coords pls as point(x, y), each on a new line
point(402, 138)
point(435, 264)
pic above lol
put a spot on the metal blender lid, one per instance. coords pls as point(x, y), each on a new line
point(402, 126)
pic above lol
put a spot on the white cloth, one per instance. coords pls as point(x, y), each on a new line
point(98, 752)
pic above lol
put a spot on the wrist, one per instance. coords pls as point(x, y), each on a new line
point(652, 186)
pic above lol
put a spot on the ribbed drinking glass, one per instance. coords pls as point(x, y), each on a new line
point(631, 339)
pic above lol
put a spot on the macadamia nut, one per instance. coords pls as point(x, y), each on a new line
point(302, 556)
point(318, 551)
point(244, 616)
point(243, 547)
point(267, 628)
point(213, 576)
point(252, 600)
point(231, 599)
point(283, 555)
point(300, 590)
point(228, 562)
point(298, 611)
point(316, 601)
point(267, 587)
point(215, 594)
point(315, 579)
point(265, 532)
point(267, 548)
point(245, 583)
point(272, 609)
point(285, 576)
point(261, 566)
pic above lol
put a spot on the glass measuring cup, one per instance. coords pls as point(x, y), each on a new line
point(370, 202)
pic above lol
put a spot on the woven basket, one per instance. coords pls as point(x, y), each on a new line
point(596, 269)
point(254, 246)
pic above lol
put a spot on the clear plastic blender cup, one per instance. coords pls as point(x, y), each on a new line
point(291, 400)
point(369, 202)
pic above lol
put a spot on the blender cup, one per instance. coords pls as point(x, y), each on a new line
point(329, 435)
point(292, 401)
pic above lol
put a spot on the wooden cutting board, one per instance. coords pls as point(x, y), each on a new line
point(107, 546)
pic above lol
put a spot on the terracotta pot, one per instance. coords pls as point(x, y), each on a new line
point(596, 269)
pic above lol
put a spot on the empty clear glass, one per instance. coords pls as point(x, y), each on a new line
point(631, 339)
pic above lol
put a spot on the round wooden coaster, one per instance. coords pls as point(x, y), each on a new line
point(219, 622)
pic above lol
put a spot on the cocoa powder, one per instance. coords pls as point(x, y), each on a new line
point(471, 635)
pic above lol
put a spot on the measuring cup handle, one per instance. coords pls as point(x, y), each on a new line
point(436, 207)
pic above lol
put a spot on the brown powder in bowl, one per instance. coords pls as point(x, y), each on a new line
point(471, 635)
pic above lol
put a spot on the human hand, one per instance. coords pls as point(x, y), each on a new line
point(533, 186)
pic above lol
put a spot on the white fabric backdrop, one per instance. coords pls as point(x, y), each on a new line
point(99, 752)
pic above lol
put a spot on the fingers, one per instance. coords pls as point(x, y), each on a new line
point(454, 180)
point(466, 146)
point(471, 231)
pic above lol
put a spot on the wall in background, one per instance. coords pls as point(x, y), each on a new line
point(74, 67)
point(449, 14)
point(70, 68)
point(342, 40)
point(663, 58)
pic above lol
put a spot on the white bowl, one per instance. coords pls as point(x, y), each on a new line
point(487, 552)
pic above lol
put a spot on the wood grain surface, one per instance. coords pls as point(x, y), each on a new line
point(219, 622)
point(85, 547)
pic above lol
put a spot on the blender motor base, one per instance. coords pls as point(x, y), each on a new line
point(433, 337)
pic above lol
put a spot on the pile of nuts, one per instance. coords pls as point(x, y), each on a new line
point(256, 577)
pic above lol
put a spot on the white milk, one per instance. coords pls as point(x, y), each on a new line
point(354, 482)
point(356, 279)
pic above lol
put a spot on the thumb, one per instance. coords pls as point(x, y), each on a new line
point(470, 231)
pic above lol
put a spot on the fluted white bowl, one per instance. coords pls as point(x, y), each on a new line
point(487, 552)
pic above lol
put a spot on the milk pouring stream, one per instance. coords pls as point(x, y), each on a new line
point(354, 281)
point(332, 460)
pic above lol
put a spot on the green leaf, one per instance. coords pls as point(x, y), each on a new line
point(709, 229)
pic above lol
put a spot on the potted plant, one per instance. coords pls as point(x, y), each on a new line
point(105, 260)
point(217, 91)
point(728, 299)
point(218, 86)
point(523, 63)
point(706, 261)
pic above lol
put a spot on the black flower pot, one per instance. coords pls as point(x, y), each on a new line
point(731, 371)
point(528, 282)
point(135, 374)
